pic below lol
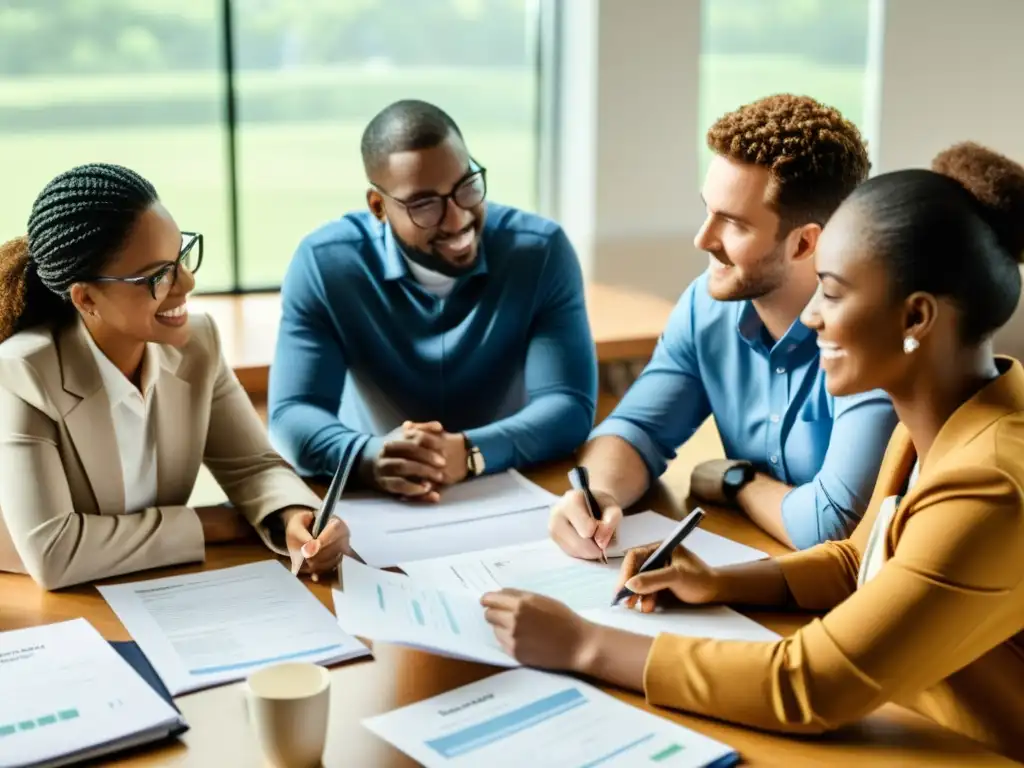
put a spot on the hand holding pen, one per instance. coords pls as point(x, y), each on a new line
point(583, 525)
point(648, 572)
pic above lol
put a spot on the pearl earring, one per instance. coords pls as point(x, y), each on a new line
point(910, 345)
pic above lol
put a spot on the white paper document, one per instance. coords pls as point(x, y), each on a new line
point(214, 627)
point(525, 717)
point(585, 586)
point(717, 550)
point(472, 515)
point(391, 607)
point(66, 695)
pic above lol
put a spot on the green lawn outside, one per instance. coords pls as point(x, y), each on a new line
point(294, 176)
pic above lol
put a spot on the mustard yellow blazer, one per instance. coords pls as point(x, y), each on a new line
point(62, 508)
point(938, 629)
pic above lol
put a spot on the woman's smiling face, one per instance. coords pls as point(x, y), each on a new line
point(859, 322)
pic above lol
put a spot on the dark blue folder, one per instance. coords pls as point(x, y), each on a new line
point(131, 653)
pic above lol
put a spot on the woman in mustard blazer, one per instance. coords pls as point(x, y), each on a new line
point(111, 396)
point(925, 601)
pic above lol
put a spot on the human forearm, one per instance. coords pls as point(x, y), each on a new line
point(761, 500)
point(549, 427)
point(80, 548)
point(311, 439)
point(616, 468)
point(613, 656)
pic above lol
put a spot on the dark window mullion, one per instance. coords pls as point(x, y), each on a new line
point(231, 115)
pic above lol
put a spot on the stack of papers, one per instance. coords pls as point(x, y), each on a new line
point(526, 717)
point(390, 607)
point(587, 587)
point(68, 696)
point(214, 627)
point(472, 515)
point(436, 606)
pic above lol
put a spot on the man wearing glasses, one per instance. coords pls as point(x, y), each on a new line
point(440, 335)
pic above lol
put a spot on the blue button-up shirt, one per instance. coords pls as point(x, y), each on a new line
point(771, 408)
point(506, 357)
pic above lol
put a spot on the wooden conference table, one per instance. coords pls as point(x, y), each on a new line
point(220, 733)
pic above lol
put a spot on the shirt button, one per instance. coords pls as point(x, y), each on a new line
point(774, 418)
point(780, 369)
point(774, 459)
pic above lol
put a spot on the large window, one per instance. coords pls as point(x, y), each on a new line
point(753, 48)
point(134, 82)
point(144, 83)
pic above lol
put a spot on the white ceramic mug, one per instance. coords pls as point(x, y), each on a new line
point(289, 707)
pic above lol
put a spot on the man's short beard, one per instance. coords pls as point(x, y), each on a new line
point(770, 276)
point(431, 261)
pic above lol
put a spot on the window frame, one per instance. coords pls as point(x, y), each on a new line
point(542, 32)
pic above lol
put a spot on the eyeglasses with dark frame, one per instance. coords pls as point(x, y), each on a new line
point(428, 211)
point(161, 281)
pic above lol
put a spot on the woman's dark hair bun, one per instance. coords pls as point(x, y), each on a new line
point(996, 182)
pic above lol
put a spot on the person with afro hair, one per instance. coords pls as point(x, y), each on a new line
point(924, 603)
point(800, 462)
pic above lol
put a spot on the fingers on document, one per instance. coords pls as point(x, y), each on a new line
point(401, 486)
point(430, 497)
point(566, 536)
point(632, 561)
point(333, 542)
point(498, 618)
point(502, 600)
point(655, 581)
point(611, 516)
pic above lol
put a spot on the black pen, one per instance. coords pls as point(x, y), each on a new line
point(662, 556)
point(330, 500)
point(579, 478)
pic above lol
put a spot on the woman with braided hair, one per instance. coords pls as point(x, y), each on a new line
point(112, 395)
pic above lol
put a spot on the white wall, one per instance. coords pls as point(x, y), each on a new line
point(951, 70)
point(940, 71)
point(627, 189)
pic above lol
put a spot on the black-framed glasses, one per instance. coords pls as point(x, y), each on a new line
point(428, 211)
point(161, 281)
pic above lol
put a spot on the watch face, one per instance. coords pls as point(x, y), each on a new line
point(734, 477)
point(476, 461)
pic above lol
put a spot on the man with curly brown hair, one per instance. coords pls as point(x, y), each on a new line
point(801, 463)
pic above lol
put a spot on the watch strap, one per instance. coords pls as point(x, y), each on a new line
point(731, 489)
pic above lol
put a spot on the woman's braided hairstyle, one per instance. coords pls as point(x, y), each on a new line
point(78, 222)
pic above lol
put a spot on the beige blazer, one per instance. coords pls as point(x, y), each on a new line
point(62, 513)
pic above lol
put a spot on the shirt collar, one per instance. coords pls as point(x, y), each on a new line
point(751, 329)
point(395, 267)
point(117, 385)
point(428, 278)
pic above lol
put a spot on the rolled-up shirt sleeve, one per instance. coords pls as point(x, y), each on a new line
point(668, 402)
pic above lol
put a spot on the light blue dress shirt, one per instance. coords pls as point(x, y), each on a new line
point(771, 408)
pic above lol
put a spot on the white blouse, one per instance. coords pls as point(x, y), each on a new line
point(873, 559)
point(130, 411)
